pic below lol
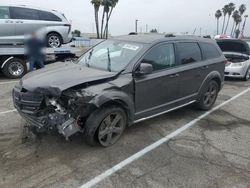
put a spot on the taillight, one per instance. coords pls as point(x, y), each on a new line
point(226, 62)
point(68, 25)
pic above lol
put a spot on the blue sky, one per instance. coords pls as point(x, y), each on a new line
point(167, 15)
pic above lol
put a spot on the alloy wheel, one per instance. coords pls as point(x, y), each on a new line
point(54, 41)
point(111, 129)
point(210, 95)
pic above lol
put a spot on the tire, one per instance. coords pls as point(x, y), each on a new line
point(247, 76)
point(15, 68)
point(98, 130)
point(208, 95)
point(54, 40)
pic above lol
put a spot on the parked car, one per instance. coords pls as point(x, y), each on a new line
point(237, 53)
point(18, 21)
point(101, 94)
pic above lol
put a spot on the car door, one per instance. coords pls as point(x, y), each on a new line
point(157, 91)
point(7, 26)
point(26, 19)
point(190, 65)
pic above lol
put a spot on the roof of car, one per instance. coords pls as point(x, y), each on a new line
point(152, 38)
point(27, 6)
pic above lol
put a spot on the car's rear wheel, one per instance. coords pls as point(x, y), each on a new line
point(54, 40)
point(15, 68)
point(208, 96)
point(105, 126)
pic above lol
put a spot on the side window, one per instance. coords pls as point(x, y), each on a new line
point(210, 50)
point(189, 52)
point(24, 13)
point(161, 57)
point(48, 16)
point(4, 13)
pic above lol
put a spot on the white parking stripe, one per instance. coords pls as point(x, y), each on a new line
point(6, 112)
point(156, 144)
point(11, 82)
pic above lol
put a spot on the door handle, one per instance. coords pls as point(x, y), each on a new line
point(205, 67)
point(174, 75)
point(19, 21)
point(9, 21)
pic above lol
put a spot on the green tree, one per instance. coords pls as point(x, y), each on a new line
point(153, 31)
point(231, 8)
point(225, 11)
point(97, 4)
point(242, 10)
point(218, 15)
point(235, 17)
point(76, 33)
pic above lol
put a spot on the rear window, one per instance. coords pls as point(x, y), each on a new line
point(24, 13)
point(48, 16)
point(188, 52)
point(210, 50)
point(4, 13)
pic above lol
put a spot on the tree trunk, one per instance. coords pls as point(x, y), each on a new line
point(227, 24)
point(107, 25)
point(232, 29)
point(97, 22)
point(103, 14)
point(105, 31)
point(223, 26)
point(234, 34)
point(217, 26)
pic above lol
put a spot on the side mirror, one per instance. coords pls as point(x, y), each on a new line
point(143, 69)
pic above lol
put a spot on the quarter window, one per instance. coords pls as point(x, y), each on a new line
point(161, 57)
point(24, 13)
point(188, 52)
point(4, 13)
point(210, 50)
point(47, 16)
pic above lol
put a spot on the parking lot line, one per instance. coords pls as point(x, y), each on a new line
point(10, 82)
point(156, 144)
point(6, 112)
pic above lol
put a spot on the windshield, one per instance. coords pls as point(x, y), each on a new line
point(110, 55)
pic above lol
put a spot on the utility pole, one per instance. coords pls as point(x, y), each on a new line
point(136, 25)
point(146, 28)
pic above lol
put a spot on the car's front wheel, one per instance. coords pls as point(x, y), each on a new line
point(208, 95)
point(105, 126)
point(54, 40)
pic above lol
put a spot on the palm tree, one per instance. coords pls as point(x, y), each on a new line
point(225, 11)
point(231, 7)
point(242, 10)
point(235, 17)
point(97, 4)
point(218, 14)
point(238, 21)
point(113, 4)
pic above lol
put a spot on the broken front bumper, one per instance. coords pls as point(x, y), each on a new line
point(29, 107)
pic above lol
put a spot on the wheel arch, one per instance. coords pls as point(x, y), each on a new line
point(55, 33)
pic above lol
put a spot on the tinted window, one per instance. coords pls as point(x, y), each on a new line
point(210, 51)
point(161, 57)
point(188, 52)
point(4, 13)
point(47, 16)
point(24, 13)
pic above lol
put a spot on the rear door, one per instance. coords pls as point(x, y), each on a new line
point(192, 73)
point(26, 20)
point(7, 26)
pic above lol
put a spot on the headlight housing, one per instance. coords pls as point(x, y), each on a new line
point(237, 64)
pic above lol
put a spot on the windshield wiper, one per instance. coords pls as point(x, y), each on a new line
point(90, 55)
point(109, 60)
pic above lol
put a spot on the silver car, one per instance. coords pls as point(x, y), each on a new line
point(237, 53)
point(16, 22)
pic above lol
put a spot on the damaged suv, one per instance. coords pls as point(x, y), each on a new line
point(120, 82)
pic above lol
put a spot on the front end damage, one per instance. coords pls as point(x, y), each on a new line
point(52, 110)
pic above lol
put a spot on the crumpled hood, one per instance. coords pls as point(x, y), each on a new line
point(61, 76)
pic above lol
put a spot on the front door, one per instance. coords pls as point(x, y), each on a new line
point(155, 92)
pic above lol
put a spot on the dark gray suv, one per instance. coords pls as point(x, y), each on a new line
point(119, 82)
